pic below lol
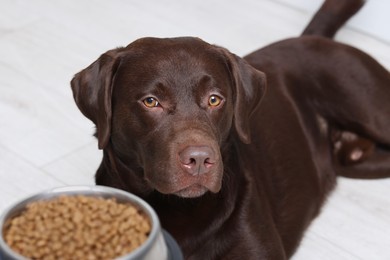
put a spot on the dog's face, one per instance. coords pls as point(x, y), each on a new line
point(173, 113)
point(166, 106)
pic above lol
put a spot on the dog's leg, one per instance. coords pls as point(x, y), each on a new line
point(331, 16)
point(356, 156)
point(360, 130)
point(350, 148)
point(356, 162)
point(358, 112)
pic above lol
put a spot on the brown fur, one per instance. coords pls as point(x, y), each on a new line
point(292, 116)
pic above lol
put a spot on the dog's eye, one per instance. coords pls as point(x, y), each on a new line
point(150, 102)
point(214, 101)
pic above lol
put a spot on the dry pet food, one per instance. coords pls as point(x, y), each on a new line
point(77, 227)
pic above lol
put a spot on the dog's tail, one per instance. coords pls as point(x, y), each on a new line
point(331, 16)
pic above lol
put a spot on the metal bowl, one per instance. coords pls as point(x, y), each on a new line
point(159, 245)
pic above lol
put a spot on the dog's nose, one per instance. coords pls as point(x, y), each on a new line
point(197, 159)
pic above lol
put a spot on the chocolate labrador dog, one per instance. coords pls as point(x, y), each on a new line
point(238, 155)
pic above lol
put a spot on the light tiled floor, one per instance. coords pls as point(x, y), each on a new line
point(45, 141)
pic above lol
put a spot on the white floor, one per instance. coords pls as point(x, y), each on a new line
point(45, 141)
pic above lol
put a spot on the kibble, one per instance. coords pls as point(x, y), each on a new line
point(77, 227)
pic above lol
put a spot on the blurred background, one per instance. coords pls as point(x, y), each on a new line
point(46, 142)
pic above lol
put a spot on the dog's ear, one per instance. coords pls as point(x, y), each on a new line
point(249, 86)
point(92, 90)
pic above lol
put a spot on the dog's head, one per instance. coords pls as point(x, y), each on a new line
point(166, 106)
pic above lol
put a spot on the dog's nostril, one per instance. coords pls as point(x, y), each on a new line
point(208, 162)
point(192, 161)
point(197, 159)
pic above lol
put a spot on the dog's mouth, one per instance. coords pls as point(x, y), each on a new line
point(193, 191)
point(188, 186)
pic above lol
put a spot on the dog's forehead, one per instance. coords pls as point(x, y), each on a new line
point(152, 44)
point(181, 60)
point(183, 52)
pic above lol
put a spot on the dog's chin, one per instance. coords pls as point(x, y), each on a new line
point(193, 191)
point(187, 186)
